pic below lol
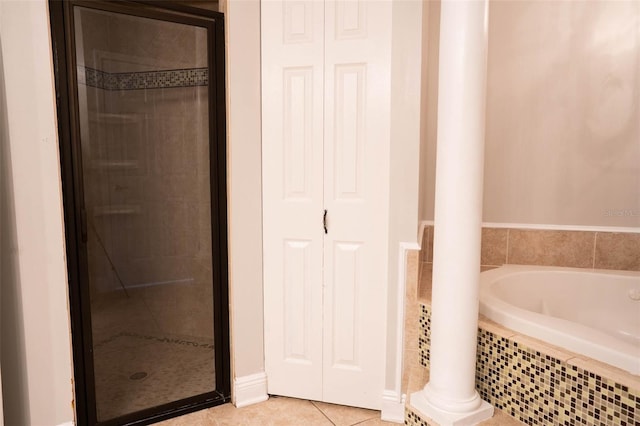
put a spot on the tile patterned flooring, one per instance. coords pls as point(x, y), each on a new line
point(152, 346)
point(280, 411)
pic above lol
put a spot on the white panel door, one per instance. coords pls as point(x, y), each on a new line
point(292, 140)
point(356, 194)
point(326, 91)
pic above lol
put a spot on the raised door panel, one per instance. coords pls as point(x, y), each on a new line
point(356, 194)
point(292, 88)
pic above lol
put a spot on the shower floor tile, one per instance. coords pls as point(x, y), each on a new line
point(136, 371)
point(148, 350)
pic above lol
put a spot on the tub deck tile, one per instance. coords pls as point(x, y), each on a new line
point(535, 345)
point(492, 326)
point(605, 370)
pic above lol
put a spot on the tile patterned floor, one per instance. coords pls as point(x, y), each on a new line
point(168, 368)
point(281, 411)
point(148, 351)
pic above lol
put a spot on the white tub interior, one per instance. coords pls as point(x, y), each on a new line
point(595, 313)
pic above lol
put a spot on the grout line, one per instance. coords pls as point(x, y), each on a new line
point(427, 231)
point(506, 259)
point(323, 413)
point(365, 420)
point(593, 257)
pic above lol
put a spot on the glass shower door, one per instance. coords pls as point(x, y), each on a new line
point(147, 152)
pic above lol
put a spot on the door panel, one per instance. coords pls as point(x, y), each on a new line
point(356, 171)
point(292, 195)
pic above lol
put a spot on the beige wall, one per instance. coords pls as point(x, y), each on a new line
point(36, 355)
point(563, 114)
point(245, 186)
point(429, 106)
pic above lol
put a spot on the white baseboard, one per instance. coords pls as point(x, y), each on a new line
point(393, 407)
point(67, 424)
point(250, 389)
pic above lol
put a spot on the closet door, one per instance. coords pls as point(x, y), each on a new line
point(325, 79)
point(356, 192)
point(292, 140)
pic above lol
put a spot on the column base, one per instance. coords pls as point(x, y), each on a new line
point(448, 418)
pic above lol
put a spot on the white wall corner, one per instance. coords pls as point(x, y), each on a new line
point(250, 389)
point(393, 406)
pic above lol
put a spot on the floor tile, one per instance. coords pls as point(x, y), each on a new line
point(199, 418)
point(275, 411)
point(375, 422)
point(342, 415)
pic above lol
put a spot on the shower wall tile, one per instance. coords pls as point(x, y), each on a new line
point(494, 246)
point(551, 248)
point(617, 251)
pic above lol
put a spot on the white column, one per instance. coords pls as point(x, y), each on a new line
point(450, 397)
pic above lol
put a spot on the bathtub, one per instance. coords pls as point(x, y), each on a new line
point(595, 313)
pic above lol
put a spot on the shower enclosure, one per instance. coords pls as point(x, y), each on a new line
point(141, 116)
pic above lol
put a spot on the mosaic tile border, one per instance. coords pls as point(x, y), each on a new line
point(538, 389)
point(413, 419)
point(424, 338)
point(143, 80)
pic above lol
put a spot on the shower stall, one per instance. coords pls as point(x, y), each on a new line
point(141, 114)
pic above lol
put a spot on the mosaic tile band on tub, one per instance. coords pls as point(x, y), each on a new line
point(539, 389)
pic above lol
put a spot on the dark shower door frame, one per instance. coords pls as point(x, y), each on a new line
point(63, 43)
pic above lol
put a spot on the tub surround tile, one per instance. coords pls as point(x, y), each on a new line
point(551, 248)
point(412, 326)
point(532, 381)
point(539, 384)
point(428, 243)
point(534, 345)
point(617, 251)
point(424, 287)
point(577, 249)
point(605, 370)
point(424, 340)
point(487, 267)
point(494, 246)
point(419, 377)
point(413, 269)
point(495, 328)
point(424, 244)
